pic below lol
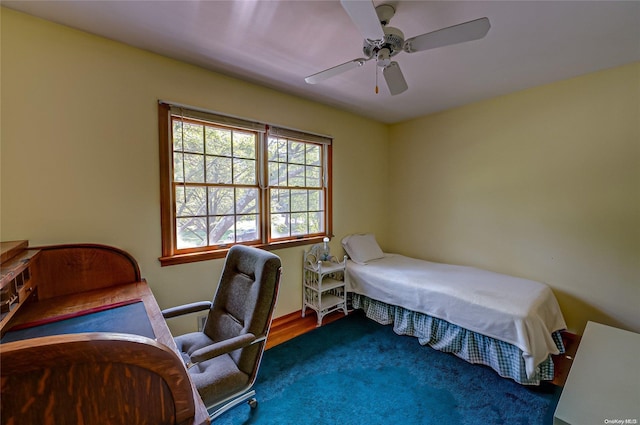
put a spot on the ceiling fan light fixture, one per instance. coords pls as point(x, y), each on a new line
point(383, 57)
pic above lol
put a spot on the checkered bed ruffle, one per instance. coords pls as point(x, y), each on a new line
point(506, 359)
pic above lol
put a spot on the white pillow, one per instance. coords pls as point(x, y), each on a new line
point(362, 248)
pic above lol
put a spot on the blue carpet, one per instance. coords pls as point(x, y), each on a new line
point(355, 371)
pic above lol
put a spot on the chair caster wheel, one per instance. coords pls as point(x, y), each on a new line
point(253, 403)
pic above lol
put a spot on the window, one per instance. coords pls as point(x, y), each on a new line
point(226, 181)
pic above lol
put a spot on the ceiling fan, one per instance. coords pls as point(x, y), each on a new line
point(382, 42)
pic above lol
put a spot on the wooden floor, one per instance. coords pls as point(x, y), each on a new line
point(292, 325)
point(562, 363)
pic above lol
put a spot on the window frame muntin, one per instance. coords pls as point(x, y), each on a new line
point(324, 185)
point(168, 205)
point(207, 185)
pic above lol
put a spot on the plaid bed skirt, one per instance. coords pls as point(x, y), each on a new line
point(506, 359)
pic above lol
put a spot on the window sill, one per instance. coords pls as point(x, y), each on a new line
point(193, 257)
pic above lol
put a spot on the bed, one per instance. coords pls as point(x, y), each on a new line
point(507, 323)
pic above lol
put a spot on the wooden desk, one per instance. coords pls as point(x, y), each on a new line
point(34, 358)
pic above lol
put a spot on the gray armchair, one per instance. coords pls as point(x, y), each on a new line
point(224, 358)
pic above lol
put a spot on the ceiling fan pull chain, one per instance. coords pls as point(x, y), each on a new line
point(376, 80)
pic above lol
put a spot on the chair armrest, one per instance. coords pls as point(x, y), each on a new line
point(186, 309)
point(222, 347)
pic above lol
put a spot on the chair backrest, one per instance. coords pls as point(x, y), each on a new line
point(244, 301)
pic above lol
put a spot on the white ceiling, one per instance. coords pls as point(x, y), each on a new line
point(277, 43)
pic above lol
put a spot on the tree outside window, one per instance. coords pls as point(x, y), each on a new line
point(226, 181)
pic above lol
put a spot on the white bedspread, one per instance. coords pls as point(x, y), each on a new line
point(521, 312)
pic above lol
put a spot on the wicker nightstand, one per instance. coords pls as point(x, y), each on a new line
point(323, 286)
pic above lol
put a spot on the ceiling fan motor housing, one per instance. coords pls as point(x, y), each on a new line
point(393, 41)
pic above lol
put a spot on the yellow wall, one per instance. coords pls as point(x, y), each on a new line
point(542, 184)
point(79, 144)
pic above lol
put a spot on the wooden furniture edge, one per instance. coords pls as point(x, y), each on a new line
point(73, 349)
point(75, 268)
point(85, 295)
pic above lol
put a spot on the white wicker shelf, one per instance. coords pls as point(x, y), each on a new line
point(327, 283)
point(323, 286)
point(328, 301)
point(326, 267)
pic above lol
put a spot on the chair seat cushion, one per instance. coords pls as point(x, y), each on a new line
point(216, 378)
point(188, 343)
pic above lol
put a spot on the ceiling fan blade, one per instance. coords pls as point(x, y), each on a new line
point(455, 34)
point(364, 16)
point(394, 78)
point(332, 72)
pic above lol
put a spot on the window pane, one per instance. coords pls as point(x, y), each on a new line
point(220, 200)
point(177, 134)
point(315, 200)
point(244, 171)
point(177, 167)
point(244, 145)
point(277, 149)
point(280, 226)
point(219, 170)
point(296, 152)
point(272, 148)
point(190, 201)
point(299, 200)
point(247, 228)
point(218, 141)
point(246, 201)
point(295, 175)
point(191, 232)
point(313, 155)
point(316, 222)
point(313, 176)
point(192, 138)
point(193, 168)
point(277, 174)
point(299, 224)
point(222, 230)
point(280, 200)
